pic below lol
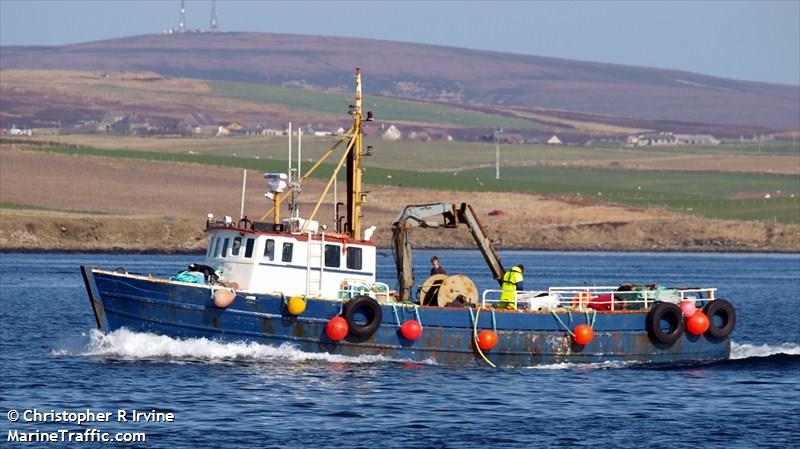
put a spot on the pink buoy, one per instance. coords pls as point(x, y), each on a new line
point(411, 330)
point(223, 297)
point(688, 308)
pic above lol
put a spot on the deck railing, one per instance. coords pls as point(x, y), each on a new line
point(598, 298)
point(377, 290)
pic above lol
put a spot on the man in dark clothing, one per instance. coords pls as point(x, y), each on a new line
point(435, 267)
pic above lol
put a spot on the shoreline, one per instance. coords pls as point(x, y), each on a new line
point(188, 252)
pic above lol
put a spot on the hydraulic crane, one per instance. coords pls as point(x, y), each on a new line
point(425, 216)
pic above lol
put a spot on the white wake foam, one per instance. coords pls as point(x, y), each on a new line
point(611, 364)
point(744, 351)
point(126, 345)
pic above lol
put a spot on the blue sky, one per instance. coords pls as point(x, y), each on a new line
point(751, 40)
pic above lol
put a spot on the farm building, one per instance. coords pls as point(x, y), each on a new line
point(696, 139)
point(392, 134)
point(554, 141)
point(668, 138)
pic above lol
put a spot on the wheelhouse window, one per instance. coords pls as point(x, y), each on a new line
point(333, 256)
point(269, 250)
point(354, 258)
point(287, 252)
point(211, 244)
point(237, 245)
point(225, 248)
point(248, 247)
point(217, 246)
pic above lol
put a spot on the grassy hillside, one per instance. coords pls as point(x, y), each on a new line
point(389, 109)
point(47, 97)
point(429, 72)
point(702, 194)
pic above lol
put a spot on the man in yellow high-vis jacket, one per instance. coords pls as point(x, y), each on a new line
point(512, 281)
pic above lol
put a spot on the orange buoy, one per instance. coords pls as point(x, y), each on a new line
point(487, 340)
point(223, 297)
point(337, 328)
point(411, 330)
point(583, 334)
point(698, 323)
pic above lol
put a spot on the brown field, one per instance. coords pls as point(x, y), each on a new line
point(91, 94)
point(107, 203)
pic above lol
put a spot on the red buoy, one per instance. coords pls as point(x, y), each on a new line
point(411, 330)
point(583, 334)
point(337, 328)
point(698, 323)
point(487, 340)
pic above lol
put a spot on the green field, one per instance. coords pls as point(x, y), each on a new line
point(713, 184)
point(458, 156)
point(699, 193)
point(15, 206)
point(389, 109)
point(777, 148)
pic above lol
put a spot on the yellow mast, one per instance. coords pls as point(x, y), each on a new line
point(356, 196)
point(353, 156)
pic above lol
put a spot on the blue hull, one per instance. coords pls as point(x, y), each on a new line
point(525, 338)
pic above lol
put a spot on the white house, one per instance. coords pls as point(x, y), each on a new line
point(15, 131)
point(696, 139)
point(392, 134)
point(554, 141)
point(668, 138)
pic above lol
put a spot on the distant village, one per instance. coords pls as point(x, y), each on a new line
point(200, 125)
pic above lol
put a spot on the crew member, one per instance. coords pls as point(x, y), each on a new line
point(512, 281)
point(435, 267)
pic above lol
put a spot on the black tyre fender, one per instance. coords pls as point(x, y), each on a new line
point(665, 311)
point(371, 309)
point(725, 311)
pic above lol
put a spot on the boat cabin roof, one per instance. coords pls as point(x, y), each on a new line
point(253, 229)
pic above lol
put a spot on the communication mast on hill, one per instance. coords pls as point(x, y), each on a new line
point(213, 25)
point(182, 22)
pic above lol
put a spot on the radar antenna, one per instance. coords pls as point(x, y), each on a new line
point(214, 24)
point(182, 21)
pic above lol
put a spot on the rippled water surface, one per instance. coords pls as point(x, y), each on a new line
point(244, 395)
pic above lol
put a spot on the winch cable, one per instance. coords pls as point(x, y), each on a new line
point(566, 328)
point(594, 316)
point(475, 334)
point(589, 321)
point(416, 314)
point(396, 317)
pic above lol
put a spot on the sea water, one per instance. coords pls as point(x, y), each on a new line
point(244, 395)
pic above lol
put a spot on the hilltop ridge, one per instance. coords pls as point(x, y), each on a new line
point(430, 72)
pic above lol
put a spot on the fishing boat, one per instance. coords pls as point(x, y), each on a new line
point(292, 281)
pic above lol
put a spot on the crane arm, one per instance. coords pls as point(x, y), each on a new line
point(425, 216)
point(467, 216)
